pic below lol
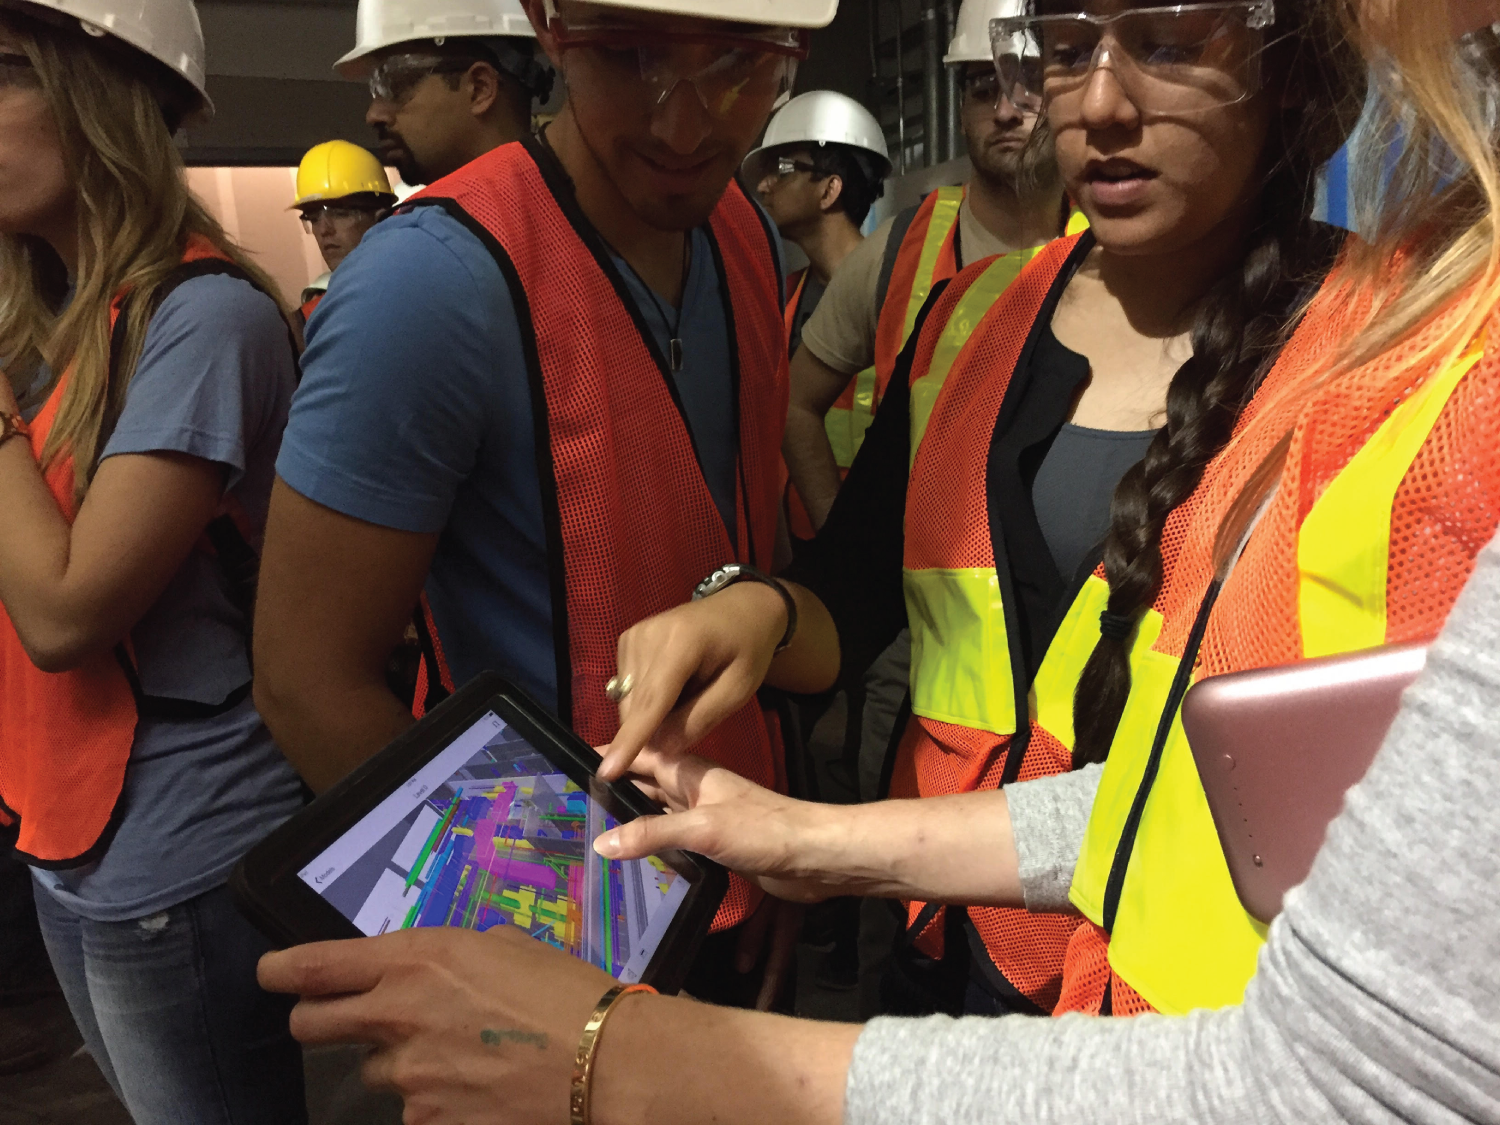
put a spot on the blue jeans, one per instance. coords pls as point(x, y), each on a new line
point(169, 1008)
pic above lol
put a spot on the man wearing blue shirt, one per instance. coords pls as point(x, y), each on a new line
point(549, 394)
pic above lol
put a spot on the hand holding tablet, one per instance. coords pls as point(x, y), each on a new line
point(483, 815)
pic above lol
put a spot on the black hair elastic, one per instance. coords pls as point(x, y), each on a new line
point(1116, 626)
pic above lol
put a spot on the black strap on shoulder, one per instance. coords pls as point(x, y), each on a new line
point(899, 230)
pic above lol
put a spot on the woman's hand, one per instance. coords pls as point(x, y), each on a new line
point(774, 841)
point(691, 668)
point(467, 1027)
point(958, 849)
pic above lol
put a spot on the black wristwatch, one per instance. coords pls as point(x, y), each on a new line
point(730, 573)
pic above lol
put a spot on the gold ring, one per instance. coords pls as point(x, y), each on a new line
point(619, 687)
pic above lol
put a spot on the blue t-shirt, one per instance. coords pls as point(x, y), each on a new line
point(415, 413)
point(214, 381)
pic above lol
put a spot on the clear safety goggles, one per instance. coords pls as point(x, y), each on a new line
point(738, 71)
point(339, 214)
point(1182, 58)
point(395, 78)
point(987, 87)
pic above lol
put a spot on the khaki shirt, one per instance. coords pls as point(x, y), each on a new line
point(841, 332)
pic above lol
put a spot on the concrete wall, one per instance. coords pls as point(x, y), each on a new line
point(271, 76)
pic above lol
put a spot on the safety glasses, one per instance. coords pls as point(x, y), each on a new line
point(338, 214)
point(786, 167)
point(987, 87)
point(1177, 59)
point(395, 78)
point(732, 72)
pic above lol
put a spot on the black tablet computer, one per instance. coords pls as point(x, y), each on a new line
point(483, 814)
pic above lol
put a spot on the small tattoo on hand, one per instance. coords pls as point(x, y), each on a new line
point(492, 1038)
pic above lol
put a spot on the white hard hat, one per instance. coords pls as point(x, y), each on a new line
point(820, 117)
point(770, 13)
point(971, 38)
point(167, 31)
point(385, 23)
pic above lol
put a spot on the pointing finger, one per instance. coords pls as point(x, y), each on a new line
point(329, 968)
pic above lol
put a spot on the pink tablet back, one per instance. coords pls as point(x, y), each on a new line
point(1278, 748)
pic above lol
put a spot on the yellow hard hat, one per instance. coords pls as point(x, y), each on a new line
point(336, 169)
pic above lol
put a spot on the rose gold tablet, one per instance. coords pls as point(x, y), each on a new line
point(1278, 748)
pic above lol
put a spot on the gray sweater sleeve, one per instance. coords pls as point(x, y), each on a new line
point(1047, 820)
point(1377, 998)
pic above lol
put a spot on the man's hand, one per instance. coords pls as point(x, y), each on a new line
point(479, 1029)
point(691, 668)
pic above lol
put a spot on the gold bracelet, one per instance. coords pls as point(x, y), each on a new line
point(588, 1048)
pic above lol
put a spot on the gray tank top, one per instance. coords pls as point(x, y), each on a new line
point(1075, 486)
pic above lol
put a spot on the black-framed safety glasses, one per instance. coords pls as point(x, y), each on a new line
point(734, 71)
point(785, 166)
point(1180, 58)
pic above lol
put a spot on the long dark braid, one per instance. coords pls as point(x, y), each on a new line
point(1239, 328)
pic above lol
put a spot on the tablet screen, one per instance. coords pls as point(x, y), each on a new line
point(489, 833)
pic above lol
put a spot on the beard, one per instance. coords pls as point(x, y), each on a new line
point(1024, 170)
point(394, 151)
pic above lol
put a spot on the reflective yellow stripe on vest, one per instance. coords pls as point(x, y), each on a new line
point(960, 647)
point(1342, 573)
point(970, 310)
point(1181, 938)
point(846, 426)
point(939, 227)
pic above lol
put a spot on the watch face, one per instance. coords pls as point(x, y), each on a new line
point(717, 581)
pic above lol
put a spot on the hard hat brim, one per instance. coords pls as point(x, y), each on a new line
point(357, 64)
point(768, 13)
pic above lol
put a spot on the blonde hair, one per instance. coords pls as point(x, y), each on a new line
point(135, 216)
point(1428, 256)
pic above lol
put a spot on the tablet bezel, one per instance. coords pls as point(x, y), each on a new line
point(269, 891)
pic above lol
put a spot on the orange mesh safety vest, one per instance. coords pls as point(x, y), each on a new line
point(927, 256)
point(966, 685)
point(1391, 488)
point(632, 526)
point(65, 737)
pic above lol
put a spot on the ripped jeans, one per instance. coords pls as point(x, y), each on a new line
point(169, 1008)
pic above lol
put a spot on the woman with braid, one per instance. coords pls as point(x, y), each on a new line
point(1350, 504)
point(1315, 490)
point(1144, 337)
